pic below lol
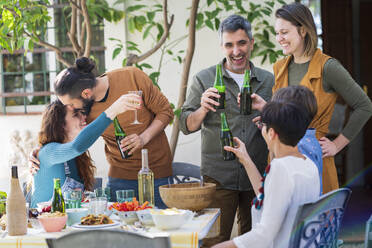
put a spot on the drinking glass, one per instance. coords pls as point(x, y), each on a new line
point(72, 198)
point(124, 195)
point(75, 198)
point(103, 192)
point(137, 92)
point(98, 205)
point(88, 195)
point(67, 199)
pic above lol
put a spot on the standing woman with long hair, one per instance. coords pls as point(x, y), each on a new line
point(64, 141)
point(306, 65)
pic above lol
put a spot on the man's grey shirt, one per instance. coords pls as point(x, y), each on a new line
point(230, 174)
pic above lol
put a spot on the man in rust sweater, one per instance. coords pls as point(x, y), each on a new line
point(78, 88)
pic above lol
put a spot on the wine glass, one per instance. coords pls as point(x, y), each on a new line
point(137, 92)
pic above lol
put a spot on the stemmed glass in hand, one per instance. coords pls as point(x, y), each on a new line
point(137, 92)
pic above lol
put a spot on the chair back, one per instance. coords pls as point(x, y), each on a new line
point(97, 183)
point(107, 238)
point(185, 172)
point(317, 223)
point(368, 238)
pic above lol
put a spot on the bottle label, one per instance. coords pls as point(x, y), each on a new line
point(220, 88)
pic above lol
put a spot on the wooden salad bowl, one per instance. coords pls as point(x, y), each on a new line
point(189, 196)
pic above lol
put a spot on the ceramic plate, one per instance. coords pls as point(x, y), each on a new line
point(80, 226)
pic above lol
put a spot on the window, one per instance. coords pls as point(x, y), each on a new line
point(26, 79)
point(21, 75)
point(62, 10)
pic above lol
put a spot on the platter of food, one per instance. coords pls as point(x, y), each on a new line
point(100, 226)
point(96, 222)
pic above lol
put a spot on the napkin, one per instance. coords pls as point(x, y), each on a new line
point(23, 242)
point(184, 240)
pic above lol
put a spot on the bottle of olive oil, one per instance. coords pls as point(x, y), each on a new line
point(226, 138)
point(120, 135)
point(58, 203)
point(245, 95)
point(220, 86)
point(145, 181)
point(16, 207)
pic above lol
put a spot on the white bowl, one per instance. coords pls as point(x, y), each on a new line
point(145, 217)
point(129, 217)
point(165, 220)
point(75, 215)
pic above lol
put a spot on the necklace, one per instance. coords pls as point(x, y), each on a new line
point(258, 200)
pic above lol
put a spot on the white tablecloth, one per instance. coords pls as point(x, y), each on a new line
point(187, 236)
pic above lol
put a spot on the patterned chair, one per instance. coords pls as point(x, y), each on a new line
point(317, 224)
point(107, 238)
point(185, 172)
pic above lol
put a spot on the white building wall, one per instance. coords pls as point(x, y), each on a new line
point(7, 125)
point(207, 53)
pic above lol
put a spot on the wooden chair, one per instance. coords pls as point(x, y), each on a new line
point(107, 238)
point(185, 172)
point(317, 224)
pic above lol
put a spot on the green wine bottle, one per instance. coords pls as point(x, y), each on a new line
point(119, 135)
point(226, 138)
point(58, 203)
point(245, 95)
point(220, 86)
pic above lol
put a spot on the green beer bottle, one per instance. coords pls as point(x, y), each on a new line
point(220, 86)
point(226, 138)
point(58, 203)
point(245, 95)
point(119, 135)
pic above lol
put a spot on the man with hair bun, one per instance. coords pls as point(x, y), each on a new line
point(79, 88)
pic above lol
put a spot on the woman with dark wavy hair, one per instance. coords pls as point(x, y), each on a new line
point(64, 141)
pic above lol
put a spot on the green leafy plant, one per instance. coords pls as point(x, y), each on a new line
point(24, 24)
point(2, 203)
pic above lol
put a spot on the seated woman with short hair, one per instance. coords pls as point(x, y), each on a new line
point(290, 180)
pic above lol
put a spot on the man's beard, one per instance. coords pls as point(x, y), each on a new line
point(87, 105)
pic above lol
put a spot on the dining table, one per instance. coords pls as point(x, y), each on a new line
point(205, 223)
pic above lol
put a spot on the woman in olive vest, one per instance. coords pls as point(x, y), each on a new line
point(306, 65)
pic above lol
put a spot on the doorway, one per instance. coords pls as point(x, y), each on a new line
point(346, 37)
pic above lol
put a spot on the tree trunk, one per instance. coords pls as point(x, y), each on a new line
point(185, 73)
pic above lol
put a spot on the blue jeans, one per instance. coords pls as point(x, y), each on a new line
point(117, 184)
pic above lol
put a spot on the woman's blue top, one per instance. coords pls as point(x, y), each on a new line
point(52, 157)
